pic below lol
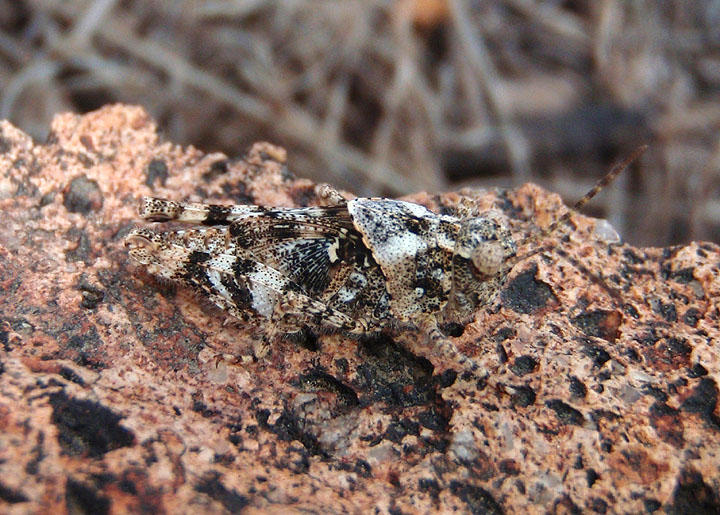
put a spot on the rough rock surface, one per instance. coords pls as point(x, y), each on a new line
point(604, 359)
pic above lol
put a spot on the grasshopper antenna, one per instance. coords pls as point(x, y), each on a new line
point(599, 186)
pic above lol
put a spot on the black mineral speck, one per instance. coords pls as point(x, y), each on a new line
point(289, 427)
point(597, 505)
point(600, 324)
point(70, 375)
point(82, 345)
point(303, 196)
point(632, 257)
point(703, 401)
point(577, 388)
point(522, 396)
point(598, 355)
point(504, 333)
point(231, 500)
point(285, 172)
point(683, 276)
point(565, 505)
point(362, 468)
point(478, 499)
point(631, 354)
point(47, 199)
point(603, 375)
point(631, 310)
point(80, 498)
point(524, 365)
point(565, 413)
point(692, 316)
point(82, 196)
point(502, 353)
point(490, 406)
point(10, 495)
point(398, 430)
point(426, 484)
point(433, 420)
point(591, 477)
point(446, 379)
point(389, 373)
point(453, 329)
point(4, 338)
point(86, 427)
point(342, 365)
point(217, 169)
point(5, 144)
point(606, 414)
point(693, 495)
point(678, 347)
point(525, 294)
point(668, 311)
point(697, 370)
point(509, 467)
point(318, 380)
point(651, 505)
point(648, 339)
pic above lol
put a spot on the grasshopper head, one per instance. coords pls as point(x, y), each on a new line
point(483, 248)
point(486, 242)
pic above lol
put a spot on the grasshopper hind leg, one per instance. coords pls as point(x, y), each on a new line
point(162, 210)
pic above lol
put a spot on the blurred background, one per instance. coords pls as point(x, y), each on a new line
point(391, 97)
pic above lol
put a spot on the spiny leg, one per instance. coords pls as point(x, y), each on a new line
point(301, 309)
point(436, 340)
point(161, 210)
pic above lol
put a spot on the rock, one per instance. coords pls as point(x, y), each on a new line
point(604, 361)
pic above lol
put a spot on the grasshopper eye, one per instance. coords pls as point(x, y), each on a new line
point(489, 256)
point(486, 242)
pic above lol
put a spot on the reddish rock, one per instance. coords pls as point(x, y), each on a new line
point(604, 361)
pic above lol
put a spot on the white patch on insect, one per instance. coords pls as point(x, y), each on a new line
point(345, 294)
point(264, 299)
point(332, 251)
point(215, 278)
point(416, 209)
point(349, 292)
point(400, 247)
